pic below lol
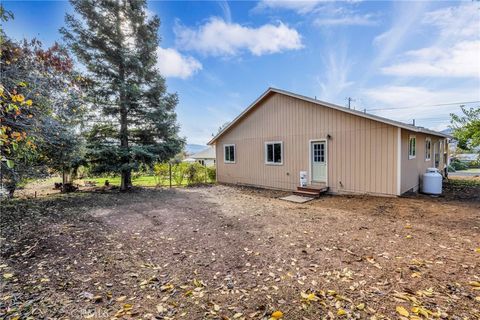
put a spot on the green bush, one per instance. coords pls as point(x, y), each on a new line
point(195, 173)
point(458, 165)
point(450, 168)
point(178, 172)
point(162, 172)
point(474, 164)
point(212, 174)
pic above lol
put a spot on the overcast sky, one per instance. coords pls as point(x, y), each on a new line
point(395, 59)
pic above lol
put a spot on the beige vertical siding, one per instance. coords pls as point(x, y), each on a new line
point(413, 169)
point(362, 153)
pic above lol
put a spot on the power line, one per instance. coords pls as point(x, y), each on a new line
point(427, 106)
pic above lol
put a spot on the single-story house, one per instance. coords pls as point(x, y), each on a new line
point(205, 157)
point(467, 157)
point(282, 134)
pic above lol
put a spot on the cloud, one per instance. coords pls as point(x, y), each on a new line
point(461, 21)
point(347, 20)
point(219, 38)
point(419, 97)
point(391, 40)
point(462, 60)
point(335, 77)
point(454, 52)
point(227, 14)
point(172, 64)
point(300, 7)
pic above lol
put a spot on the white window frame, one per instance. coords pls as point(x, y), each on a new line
point(266, 155)
point(234, 153)
point(412, 156)
point(428, 157)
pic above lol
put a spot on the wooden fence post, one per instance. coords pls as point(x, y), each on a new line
point(170, 173)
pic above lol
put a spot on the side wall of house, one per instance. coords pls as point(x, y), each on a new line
point(362, 154)
point(413, 169)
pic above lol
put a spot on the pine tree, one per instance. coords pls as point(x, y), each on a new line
point(134, 121)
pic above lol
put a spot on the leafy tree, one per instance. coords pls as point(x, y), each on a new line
point(135, 120)
point(39, 107)
point(466, 128)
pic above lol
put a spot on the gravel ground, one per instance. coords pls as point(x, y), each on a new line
point(239, 253)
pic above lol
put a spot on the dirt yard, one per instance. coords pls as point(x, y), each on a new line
point(235, 253)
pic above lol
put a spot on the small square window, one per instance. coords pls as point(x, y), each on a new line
point(274, 152)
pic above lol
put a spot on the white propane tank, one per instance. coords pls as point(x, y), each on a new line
point(432, 181)
point(303, 178)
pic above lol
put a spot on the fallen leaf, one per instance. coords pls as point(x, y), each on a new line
point(402, 311)
point(277, 314)
point(360, 306)
point(8, 275)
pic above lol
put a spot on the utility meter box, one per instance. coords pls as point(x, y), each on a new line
point(303, 178)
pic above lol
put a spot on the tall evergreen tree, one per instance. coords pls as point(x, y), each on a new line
point(134, 121)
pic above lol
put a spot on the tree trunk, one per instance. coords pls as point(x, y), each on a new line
point(126, 171)
point(126, 182)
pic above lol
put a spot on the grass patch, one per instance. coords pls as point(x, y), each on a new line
point(464, 182)
point(140, 181)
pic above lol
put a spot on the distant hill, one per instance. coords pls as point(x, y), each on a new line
point(447, 131)
point(194, 148)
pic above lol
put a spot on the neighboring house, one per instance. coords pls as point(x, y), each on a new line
point(467, 157)
point(189, 160)
point(205, 157)
point(283, 133)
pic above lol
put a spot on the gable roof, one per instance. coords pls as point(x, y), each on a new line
point(328, 105)
point(208, 153)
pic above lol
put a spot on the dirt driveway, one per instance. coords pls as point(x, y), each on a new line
point(232, 253)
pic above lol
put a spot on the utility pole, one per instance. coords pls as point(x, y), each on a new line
point(349, 101)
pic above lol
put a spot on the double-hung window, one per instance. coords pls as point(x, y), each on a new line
point(274, 152)
point(229, 153)
point(428, 149)
point(412, 141)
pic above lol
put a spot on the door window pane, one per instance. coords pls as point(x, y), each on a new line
point(319, 152)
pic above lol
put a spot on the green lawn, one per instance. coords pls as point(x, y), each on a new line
point(141, 181)
point(471, 170)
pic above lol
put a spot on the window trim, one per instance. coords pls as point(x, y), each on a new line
point(234, 153)
point(271, 163)
point(428, 139)
point(410, 156)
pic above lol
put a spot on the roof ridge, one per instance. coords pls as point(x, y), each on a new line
point(328, 105)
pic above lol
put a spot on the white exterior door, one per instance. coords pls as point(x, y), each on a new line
point(318, 154)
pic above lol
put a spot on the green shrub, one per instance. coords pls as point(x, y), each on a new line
point(195, 173)
point(162, 172)
point(178, 172)
point(458, 165)
point(474, 164)
point(212, 174)
point(450, 168)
